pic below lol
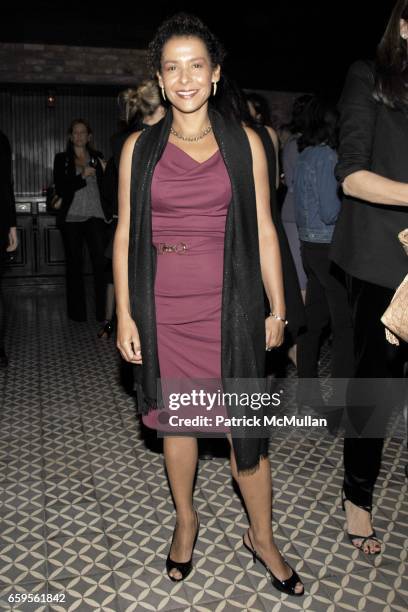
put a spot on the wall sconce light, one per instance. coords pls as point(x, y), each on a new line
point(51, 99)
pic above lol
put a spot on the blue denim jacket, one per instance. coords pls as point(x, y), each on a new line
point(317, 204)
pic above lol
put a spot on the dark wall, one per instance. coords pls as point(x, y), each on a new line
point(37, 132)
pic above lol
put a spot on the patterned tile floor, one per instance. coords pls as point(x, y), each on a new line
point(85, 511)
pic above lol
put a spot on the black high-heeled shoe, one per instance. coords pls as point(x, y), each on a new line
point(285, 586)
point(106, 330)
point(183, 567)
point(352, 536)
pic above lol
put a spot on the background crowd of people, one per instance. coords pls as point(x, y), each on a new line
point(328, 205)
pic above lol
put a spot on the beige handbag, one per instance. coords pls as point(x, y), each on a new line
point(395, 318)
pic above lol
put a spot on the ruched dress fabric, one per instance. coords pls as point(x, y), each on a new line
point(190, 201)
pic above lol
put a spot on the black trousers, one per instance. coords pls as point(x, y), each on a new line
point(75, 235)
point(326, 304)
point(2, 308)
point(375, 358)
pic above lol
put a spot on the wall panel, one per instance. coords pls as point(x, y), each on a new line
point(37, 132)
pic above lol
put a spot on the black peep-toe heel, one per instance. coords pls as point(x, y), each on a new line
point(285, 586)
point(183, 567)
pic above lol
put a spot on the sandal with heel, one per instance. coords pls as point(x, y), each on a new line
point(284, 586)
point(183, 567)
point(106, 330)
point(352, 536)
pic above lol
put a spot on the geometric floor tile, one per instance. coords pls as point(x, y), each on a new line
point(86, 517)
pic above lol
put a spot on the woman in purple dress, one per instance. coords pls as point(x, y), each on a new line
point(194, 243)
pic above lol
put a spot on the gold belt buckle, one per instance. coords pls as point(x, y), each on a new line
point(180, 248)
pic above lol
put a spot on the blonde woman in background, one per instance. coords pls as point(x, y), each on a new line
point(140, 108)
point(82, 218)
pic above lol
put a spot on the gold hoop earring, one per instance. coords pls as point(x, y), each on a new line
point(163, 93)
point(214, 88)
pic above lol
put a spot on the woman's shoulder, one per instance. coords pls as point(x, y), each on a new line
point(325, 156)
point(358, 87)
point(309, 159)
point(330, 153)
point(318, 152)
point(130, 142)
point(63, 160)
point(273, 135)
point(254, 138)
point(363, 70)
point(271, 131)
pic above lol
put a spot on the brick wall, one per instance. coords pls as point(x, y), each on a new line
point(62, 64)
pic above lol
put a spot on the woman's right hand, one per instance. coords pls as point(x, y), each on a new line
point(128, 341)
point(88, 171)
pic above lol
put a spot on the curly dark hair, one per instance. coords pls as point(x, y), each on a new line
point(183, 24)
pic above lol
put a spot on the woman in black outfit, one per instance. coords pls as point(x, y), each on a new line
point(259, 111)
point(141, 108)
point(373, 170)
point(259, 120)
point(8, 229)
point(293, 298)
point(78, 175)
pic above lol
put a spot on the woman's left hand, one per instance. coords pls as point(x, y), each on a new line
point(274, 332)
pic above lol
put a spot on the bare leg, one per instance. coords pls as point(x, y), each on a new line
point(180, 456)
point(256, 490)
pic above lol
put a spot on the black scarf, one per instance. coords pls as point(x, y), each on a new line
point(243, 317)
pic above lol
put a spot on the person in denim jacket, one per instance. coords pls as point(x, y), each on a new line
point(317, 206)
point(290, 154)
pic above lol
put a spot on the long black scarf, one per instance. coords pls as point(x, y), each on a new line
point(243, 317)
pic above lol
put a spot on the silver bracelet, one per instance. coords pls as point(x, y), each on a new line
point(278, 318)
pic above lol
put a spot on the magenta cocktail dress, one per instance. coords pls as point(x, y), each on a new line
point(189, 207)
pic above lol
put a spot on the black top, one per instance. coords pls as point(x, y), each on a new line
point(373, 137)
point(117, 141)
point(67, 182)
point(110, 182)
